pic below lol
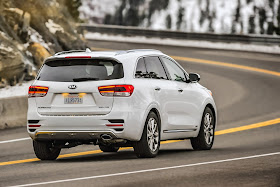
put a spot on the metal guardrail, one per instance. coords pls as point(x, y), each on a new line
point(136, 31)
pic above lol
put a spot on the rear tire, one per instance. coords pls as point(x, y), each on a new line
point(205, 138)
point(45, 150)
point(108, 148)
point(149, 144)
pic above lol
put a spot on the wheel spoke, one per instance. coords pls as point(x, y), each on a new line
point(156, 134)
point(211, 132)
point(152, 125)
point(149, 128)
point(206, 136)
point(149, 133)
point(210, 140)
point(205, 120)
point(205, 129)
point(208, 119)
point(151, 144)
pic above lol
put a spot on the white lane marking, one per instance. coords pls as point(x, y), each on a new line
point(15, 140)
point(147, 170)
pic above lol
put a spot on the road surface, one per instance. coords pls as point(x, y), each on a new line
point(248, 100)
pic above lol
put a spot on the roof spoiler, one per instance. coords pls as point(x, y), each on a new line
point(73, 51)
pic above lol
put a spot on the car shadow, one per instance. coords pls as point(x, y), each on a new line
point(121, 155)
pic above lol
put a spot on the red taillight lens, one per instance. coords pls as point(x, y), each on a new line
point(78, 57)
point(37, 91)
point(34, 125)
point(114, 125)
point(116, 90)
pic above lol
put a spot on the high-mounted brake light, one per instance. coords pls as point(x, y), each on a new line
point(78, 57)
point(37, 91)
point(116, 90)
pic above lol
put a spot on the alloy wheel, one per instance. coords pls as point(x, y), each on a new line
point(208, 128)
point(152, 134)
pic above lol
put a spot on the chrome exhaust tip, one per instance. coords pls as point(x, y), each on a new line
point(106, 137)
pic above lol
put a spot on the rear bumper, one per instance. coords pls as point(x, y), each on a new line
point(84, 126)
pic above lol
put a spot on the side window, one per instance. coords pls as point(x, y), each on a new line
point(141, 70)
point(175, 71)
point(155, 68)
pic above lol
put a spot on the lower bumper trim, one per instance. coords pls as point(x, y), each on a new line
point(72, 135)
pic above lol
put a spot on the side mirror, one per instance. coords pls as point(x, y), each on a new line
point(194, 77)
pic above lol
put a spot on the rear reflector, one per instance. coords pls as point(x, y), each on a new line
point(114, 125)
point(78, 57)
point(37, 91)
point(116, 90)
point(34, 125)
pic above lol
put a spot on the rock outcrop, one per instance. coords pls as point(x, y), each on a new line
point(11, 62)
point(30, 31)
point(38, 52)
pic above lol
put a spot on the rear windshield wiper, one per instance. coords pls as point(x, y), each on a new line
point(85, 79)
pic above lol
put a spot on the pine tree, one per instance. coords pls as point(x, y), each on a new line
point(168, 21)
point(278, 20)
point(180, 17)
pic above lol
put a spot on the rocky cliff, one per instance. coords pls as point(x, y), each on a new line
point(32, 30)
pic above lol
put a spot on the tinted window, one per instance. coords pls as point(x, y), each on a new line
point(176, 73)
point(155, 68)
point(77, 70)
point(141, 70)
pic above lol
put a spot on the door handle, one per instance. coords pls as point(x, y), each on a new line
point(180, 90)
point(157, 89)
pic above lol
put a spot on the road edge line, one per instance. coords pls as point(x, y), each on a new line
point(148, 170)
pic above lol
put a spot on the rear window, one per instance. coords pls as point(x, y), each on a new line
point(78, 70)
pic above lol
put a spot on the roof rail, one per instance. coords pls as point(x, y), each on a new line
point(136, 50)
point(73, 51)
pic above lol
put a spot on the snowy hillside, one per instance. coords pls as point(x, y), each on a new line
point(218, 16)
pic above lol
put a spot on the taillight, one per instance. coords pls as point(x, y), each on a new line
point(37, 91)
point(116, 90)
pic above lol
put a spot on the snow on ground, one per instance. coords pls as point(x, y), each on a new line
point(36, 37)
point(15, 91)
point(53, 27)
point(185, 43)
point(5, 48)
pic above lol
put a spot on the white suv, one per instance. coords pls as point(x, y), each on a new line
point(117, 99)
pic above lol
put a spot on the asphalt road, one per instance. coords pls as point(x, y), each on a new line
point(244, 158)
